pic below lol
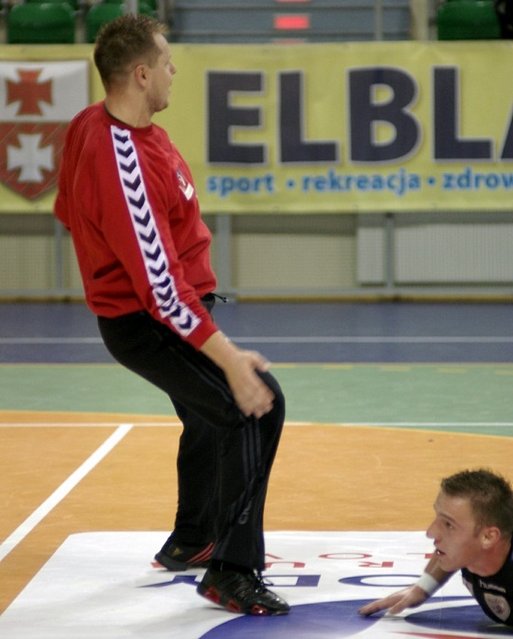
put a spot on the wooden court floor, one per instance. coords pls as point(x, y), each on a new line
point(383, 401)
point(63, 473)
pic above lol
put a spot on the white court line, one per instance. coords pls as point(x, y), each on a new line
point(63, 490)
point(377, 339)
point(299, 339)
point(51, 340)
point(429, 425)
point(51, 424)
point(293, 424)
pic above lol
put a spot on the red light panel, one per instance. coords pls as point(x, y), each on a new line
point(292, 22)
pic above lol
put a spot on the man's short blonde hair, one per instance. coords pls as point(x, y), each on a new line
point(126, 41)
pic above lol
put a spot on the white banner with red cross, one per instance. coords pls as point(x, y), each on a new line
point(37, 101)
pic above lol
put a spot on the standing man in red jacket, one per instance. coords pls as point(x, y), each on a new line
point(128, 199)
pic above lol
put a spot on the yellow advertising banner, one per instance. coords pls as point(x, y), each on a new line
point(314, 128)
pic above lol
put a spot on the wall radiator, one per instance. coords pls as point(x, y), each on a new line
point(435, 252)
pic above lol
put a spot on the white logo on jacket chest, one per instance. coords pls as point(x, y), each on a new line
point(185, 187)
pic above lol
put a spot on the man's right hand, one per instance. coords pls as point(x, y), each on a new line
point(251, 394)
point(396, 602)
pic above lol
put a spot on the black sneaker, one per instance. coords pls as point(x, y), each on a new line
point(176, 557)
point(244, 593)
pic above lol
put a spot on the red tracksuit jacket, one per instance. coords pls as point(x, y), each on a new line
point(128, 199)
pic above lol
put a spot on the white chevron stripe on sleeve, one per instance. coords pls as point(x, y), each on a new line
point(150, 243)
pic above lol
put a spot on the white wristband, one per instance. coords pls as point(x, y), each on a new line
point(428, 583)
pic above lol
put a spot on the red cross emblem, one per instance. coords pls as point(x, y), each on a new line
point(38, 106)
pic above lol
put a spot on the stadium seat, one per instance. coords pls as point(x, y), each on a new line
point(468, 20)
point(71, 3)
point(98, 15)
point(152, 4)
point(41, 23)
point(104, 12)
